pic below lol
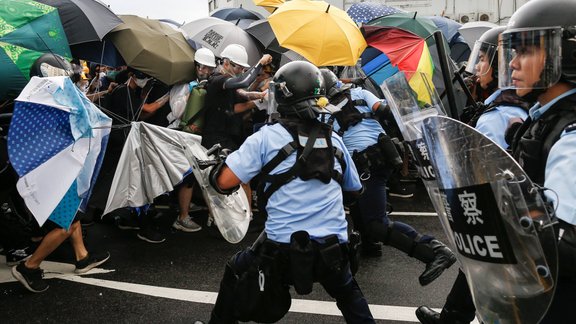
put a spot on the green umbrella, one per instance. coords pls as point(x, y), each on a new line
point(420, 26)
point(28, 30)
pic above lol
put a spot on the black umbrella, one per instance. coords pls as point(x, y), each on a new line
point(233, 14)
point(84, 20)
point(262, 32)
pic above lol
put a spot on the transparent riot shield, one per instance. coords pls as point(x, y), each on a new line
point(412, 98)
point(498, 220)
point(231, 213)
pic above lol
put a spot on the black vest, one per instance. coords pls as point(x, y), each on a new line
point(534, 139)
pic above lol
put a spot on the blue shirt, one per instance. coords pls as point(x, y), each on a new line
point(493, 124)
point(366, 132)
point(560, 166)
point(298, 205)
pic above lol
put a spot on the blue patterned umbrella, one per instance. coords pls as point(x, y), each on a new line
point(56, 143)
point(363, 12)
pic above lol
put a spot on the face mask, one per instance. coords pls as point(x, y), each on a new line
point(141, 82)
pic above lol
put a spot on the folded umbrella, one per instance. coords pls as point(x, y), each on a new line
point(155, 49)
point(322, 33)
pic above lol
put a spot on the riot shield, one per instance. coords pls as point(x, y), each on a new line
point(231, 213)
point(412, 98)
point(496, 215)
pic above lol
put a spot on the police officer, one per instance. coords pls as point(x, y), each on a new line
point(539, 47)
point(501, 106)
point(376, 157)
point(305, 167)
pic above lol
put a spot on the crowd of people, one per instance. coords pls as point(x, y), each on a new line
point(330, 149)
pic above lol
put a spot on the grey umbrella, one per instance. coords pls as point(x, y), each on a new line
point(215, 34)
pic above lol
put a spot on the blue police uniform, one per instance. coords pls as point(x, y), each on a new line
point(297, 205)
point(311, 206)
point(494, 122)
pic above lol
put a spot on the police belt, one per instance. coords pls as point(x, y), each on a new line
point(383, 154)
point(304, 260)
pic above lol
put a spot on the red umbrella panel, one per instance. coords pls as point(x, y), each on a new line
point(407, 51)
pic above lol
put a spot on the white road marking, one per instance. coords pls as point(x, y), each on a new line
point(428, 214)
point(65, 271)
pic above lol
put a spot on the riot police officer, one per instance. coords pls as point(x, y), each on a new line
point(376, 157)
point(538, 49)
point(503, 104)
point(304, 168)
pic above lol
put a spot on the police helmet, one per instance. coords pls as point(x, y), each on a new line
point(298, 89)
point(333, 85)
point(547, 27)
point(485, 50)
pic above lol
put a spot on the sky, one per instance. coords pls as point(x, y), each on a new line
point(178, 10)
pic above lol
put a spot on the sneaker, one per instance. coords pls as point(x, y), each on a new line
point(92, 260)
point(151, 236)
point(32, 279)
point(15, 256)
point(399, 192)
point(186, 225)
point(194, 208)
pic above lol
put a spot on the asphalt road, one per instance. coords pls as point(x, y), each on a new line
point(177, 281)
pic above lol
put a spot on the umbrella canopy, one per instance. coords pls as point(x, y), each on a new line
point(233, 14)
point(322, 33)
point(154, 48)
point(363, 12)
point(28, 30)
point(473, 30)
point(56, 144)
point(84, 20)
point(405, 50)
point(263, 33)
point(155, 159)
point(420, 26)
point(215, 34)
point(459, 49)
point(269, 5)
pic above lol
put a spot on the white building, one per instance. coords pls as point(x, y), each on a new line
point(496, 11)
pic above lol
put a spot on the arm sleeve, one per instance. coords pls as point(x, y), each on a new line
point(243, 80)
point(247, 161)
point(559, 177)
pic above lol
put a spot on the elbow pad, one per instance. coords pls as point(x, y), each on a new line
point(213, 180)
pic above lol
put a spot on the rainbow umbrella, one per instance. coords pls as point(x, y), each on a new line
point(405, 51)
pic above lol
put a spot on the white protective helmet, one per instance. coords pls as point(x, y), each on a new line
point(237, 54)
point(205, 56)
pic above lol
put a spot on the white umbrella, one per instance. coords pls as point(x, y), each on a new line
point(155, 159)
point(473, 30)
point(215, 34)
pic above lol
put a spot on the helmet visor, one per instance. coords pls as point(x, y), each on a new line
point(481, 58)
point(530, 58)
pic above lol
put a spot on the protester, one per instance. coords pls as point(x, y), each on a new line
point(205, 62)
point(306, 229)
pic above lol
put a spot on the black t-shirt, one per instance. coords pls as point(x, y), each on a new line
point(157, 90)
point(220, 120)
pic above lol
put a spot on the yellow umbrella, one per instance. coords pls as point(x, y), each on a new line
point(269, 5)
point(323, 34)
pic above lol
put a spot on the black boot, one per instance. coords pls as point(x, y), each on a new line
point(427, 315)
point(443, 259)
